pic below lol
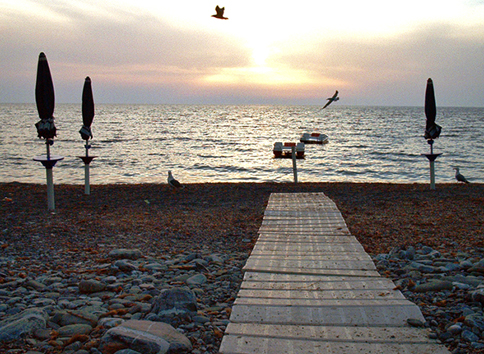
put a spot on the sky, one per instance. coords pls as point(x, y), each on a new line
point(374, 52)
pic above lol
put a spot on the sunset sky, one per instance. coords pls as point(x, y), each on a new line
point(375, 52)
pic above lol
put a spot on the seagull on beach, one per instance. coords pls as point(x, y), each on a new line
point(459, 177)
point(332, 99)
point(172, 181)
point(220, 13)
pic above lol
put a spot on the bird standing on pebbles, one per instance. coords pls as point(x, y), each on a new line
point(172, 181)
point(459, 177)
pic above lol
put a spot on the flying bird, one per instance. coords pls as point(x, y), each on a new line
point(332, 99)
point(172, 181)
point(220, 13)
point(459, 177)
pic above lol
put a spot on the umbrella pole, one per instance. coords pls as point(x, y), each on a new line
point(294, 166)
point(432, 157)
point(50, 179)
point(49, 162)
point(50, 189)
point(87, 160)
point(87, 186)
point(432, 175)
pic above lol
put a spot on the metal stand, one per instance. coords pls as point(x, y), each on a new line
point(49, 162)
point(87, 160)
point(431, 157)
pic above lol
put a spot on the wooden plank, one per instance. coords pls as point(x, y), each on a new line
point(308, 271)
point(304, 264)
point(291, 278)
point(378, 283)
point(333, 256)
point(287, 248)
point(316, 301)
point(241, 344)
point(331, 333)
point(373, 316)
point(329, 294)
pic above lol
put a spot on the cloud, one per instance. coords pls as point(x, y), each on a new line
point(165, 53)
point(397, 65)
point(111, 45)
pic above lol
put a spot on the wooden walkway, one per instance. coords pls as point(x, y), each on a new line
point(309, 287)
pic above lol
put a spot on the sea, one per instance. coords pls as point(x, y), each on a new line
point(233, 143)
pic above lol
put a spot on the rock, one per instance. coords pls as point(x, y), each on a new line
point(478, 295)
point(84, 316)
point(90, 286)
point(455, 329)
point(214, 258)
point(477, 267)
point(70, 330)
point(22, 324)
point(29, 283)
point(470, 280)
point(123, 253)
point(415, 322)
point(433, 285)
point(124, 266)
point(146, 337)
point(475, 320)
point(110, 322)
point(196, 280)
point(175, 303)
point(424, 268)
point(469, 336)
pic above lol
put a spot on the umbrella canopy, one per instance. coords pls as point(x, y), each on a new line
point(87, 110)
point(432, 130)
point(44, 97)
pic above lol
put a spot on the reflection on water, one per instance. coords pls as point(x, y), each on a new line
point(204, 143)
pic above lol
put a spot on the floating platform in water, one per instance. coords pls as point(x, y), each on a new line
point(282, 150)
point(314, 138)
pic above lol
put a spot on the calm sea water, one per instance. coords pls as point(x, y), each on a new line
point(204, 143)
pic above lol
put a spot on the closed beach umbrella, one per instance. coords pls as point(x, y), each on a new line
point(87, 110)
point(44, 97)
point(432, 130)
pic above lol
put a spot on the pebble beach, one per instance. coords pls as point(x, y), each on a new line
point(77, 279)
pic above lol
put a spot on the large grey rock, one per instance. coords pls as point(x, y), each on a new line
point(123, 253)
point(175, 303)
point(146, 337)
point(22, 324)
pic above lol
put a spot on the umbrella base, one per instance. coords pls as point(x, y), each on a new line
point(431, 157)
point(50, 161)
point(87, 159)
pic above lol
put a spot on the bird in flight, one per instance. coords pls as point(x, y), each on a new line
point(172, 181)
point(220, 13)
point(332, 99)
point(459, 177)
